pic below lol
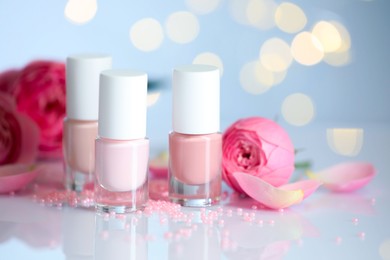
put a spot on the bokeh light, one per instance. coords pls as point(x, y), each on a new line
point(152, 98)
point(250, 80)
point(290, 18)
point(182, 27)
point(146, 34)
point(341, 56)
point(257, 13)
point(260, 13)
point(345, 141)
point(209, 58)
point(80, 11)
point(328, 36)
point(256, 79)
point(238, 9)
point(384, 250)
point(298, 109)
point(338, 59)
point(275, 55)
point(202, 6)
point(307, 49)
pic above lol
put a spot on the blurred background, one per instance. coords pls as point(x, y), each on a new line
point(299, 62)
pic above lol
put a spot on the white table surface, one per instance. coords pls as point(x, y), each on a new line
point(321, 227)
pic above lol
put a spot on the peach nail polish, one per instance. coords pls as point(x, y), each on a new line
point(195, 144)
point(80, 124)
point(122, 150)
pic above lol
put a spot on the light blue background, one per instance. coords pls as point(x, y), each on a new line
point(345, 96)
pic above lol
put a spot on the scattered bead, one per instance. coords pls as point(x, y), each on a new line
point(355, 221)
point(338, 240)
point(254, 207)
point(120, 216)
point(168, 235)
point(229, 212)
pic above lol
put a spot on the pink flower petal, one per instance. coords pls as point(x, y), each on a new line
point(14, 177)
point(268, 130)
point(307, 186)
point(30, 140)
point(346, 177)
point(266, 194)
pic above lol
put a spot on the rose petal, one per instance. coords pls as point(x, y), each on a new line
point(346, 177)
point(7, 81)
point(307, 186)
point(30, 140)
point(14, 177)
point(266, 194)
point(268, 130)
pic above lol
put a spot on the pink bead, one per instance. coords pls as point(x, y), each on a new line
point(168, 235)
point(247, 219)
point(120, 216)
point(362, 235)
point(163, 221)
point(338, 240)
point(254, 207)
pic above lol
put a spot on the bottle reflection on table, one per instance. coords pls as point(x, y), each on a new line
point(121, 237)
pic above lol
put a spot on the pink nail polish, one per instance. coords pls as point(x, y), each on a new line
point(80, 125)
point(195, 145)
point(122, 150)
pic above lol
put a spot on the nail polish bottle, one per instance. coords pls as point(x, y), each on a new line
point(80, 124)
point(122, 149)
point(195, 144)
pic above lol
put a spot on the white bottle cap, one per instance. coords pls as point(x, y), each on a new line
point(195, 99)
point(122, 104)
point(82, 85)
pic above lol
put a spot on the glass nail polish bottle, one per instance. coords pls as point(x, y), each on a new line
point(195, 144)
point(122, 150)
point(80, 124)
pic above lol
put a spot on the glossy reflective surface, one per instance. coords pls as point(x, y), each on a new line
point(325, 226)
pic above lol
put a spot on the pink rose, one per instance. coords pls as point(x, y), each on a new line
point(7, 81)
point(259, 147)
point(19, 135)
point(40, 93)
